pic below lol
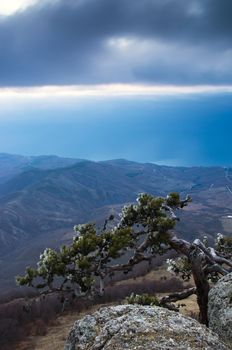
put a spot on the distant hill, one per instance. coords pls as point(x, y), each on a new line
point(41, 198)
point(11, 165)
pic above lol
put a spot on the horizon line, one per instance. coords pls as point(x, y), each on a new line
point(80, 159)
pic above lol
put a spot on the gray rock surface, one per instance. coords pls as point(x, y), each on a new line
point(220, 308)
point(136, 327)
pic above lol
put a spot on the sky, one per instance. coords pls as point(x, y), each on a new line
point(145, 80)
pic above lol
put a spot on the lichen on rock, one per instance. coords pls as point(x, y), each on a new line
point(220, 308)
point(136, 327)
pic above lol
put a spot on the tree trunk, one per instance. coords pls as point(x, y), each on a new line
point(201, 283)
point(197, 259)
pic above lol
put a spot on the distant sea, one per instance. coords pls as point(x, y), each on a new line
point(187, 131)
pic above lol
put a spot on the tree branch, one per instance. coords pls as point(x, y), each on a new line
point(178, 296)
point(171, 212)
point(180, 245)
point(219, 259)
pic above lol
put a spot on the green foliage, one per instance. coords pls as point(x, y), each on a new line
point(142, 230)
point(150, 214)
point(119, 240)
point(79, 263)
point(173, 199)
point(147, 209)
point(142, 299)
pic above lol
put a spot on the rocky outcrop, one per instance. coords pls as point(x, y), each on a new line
point(220, 308)
point(140, 327)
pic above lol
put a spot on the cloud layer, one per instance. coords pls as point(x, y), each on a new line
point(117, 41)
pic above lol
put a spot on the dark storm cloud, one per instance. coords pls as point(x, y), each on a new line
point(102, 41)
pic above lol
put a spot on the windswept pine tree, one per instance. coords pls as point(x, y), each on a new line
point(146, 229)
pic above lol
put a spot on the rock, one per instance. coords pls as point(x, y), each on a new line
point(136, 327)
point(220, 308)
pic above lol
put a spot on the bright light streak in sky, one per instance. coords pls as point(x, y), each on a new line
point(111, 90)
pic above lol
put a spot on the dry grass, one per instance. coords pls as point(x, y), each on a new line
point(55, 337)
point(57, 333)
point(191, 307)
point(154, 275)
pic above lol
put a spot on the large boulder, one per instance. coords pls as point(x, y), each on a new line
point(140, 327)
point(220, 308)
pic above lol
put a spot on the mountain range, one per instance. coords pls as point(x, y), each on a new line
point(42, 198)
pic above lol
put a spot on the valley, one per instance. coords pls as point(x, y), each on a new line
point(42, 198)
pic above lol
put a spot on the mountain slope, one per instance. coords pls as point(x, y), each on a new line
point(45, 200)
point(38, 207)
point(38, 201)
point(12, 165)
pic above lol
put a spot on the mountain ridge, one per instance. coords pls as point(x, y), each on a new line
point(39, 207)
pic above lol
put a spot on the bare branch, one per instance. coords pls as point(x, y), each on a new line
point(184, 202)
point(178, 296)
point(136, 259)
point(213, 259)
point(219, 259)
point(215, 268)
point(171, 212)
point(178, 244)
